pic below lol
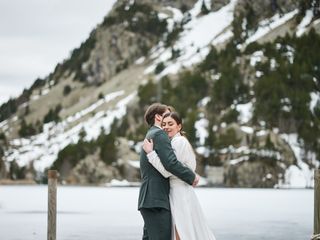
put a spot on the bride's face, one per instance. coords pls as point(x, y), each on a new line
point(170, 126)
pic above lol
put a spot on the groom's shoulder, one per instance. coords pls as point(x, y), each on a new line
point(161, 136)
point(155, 132)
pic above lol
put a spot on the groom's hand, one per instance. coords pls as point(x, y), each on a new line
point(196, 180)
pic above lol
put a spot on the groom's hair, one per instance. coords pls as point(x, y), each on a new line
point(152, 110)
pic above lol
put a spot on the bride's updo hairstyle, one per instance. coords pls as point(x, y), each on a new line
point(175, 116)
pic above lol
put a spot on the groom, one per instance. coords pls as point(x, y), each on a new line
point(153, 201)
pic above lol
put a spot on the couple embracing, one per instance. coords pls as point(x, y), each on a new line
point(167, 201)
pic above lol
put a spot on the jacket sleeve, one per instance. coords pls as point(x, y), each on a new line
point(156, 163)
point(163, 148)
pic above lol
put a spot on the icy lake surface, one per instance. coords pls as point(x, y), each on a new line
point(101, 213)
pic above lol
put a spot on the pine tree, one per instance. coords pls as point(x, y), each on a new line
point(204, 8)
point(316, 8)
point(108, 150)
point(26, 130)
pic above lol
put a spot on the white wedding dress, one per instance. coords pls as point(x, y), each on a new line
point(187, 215)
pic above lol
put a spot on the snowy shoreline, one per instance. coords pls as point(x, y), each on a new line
point(125, 184)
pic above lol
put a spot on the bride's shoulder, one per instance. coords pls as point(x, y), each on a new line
point(179, 140)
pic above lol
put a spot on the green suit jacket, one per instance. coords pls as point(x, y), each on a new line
point(154, 190)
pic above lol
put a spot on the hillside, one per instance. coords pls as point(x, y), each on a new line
point(243, 74)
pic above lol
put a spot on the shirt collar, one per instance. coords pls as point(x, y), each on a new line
point(157, 126)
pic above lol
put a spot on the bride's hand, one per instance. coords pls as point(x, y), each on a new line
point(147, 145)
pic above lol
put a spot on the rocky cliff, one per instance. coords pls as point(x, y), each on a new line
point(227, 67)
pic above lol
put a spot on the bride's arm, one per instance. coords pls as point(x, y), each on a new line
point(154, 159)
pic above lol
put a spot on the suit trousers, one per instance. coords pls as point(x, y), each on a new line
point(157, 223)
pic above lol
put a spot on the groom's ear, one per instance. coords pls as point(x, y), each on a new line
point(157, 117)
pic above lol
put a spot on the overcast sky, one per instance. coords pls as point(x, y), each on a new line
point(37, 34)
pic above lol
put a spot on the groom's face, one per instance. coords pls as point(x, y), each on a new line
point(159, 117)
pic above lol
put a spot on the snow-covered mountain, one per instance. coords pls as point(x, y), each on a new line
point(152, 50)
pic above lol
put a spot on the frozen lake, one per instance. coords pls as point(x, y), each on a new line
point(99, 213)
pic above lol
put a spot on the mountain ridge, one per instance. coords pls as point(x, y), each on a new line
point(102, 90)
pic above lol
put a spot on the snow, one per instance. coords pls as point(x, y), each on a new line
point(216, 76)
point(256, 57)
point(177, 14)
point(134, 163)
point(35, 97)
point(245, 151)
point(315, 100)
point(117, 183)
point(242, 149)
point(259, 74)
point(203, 102)
point(223, 125)
point(247, 129)
point(201, 127)
point(45, 91)
point(140, 60)
point(238, 160)
point(316, 22)
point(194, 41)
point(245, 111)
point(91, 108)
point(273, 64)
point(177, 17)
point(204, 151)
point(266, 153)
point(42, 149)
point(290, 53)
point(221, 38)
point(156, 51)
point(286, 104)
point(162, 16)
point(268, 25)
point(3, 123)
point(261, 133)
point(295, 177)
point(200, 31)
point(150, 69)
point(304, 23)
point(269, 176)
point(300, 175)
point(129, 4)
point(202, 182)
point(138, 147)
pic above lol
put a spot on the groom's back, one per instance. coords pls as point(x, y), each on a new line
point(154, 190)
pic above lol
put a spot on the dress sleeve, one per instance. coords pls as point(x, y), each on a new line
point(163, 148)
point(184, 152)
point(154, 159)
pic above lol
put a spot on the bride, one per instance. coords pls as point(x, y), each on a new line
point(188, 220)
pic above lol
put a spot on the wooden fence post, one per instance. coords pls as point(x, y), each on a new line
point(316, 223)
point(52, 204)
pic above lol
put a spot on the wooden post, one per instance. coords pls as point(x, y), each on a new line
point(316, 226)
point(52, 204)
